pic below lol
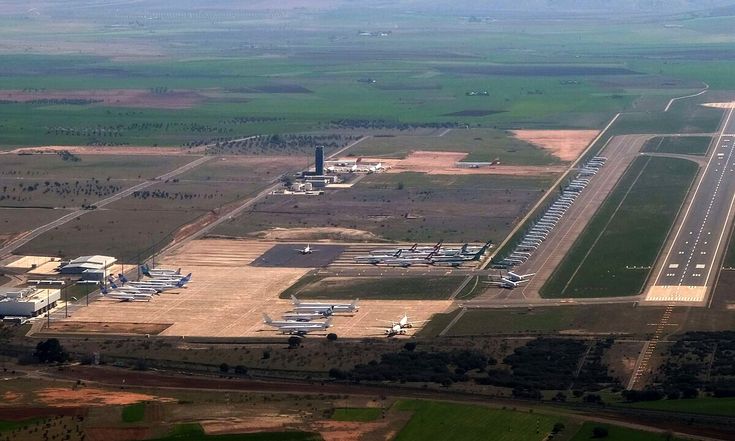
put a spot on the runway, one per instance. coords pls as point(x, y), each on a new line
point(687, 269)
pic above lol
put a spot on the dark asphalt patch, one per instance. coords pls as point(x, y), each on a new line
point(288, 256)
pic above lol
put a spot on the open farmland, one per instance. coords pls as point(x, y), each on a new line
point(683, 145)
point(480, 144)
point(614, 254)
point(471, 423)
point(133, 226)
point(409, 207)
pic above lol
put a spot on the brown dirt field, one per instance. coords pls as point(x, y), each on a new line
point(175, 99)
point(318, 233)
point(443, 163)
point(567, 145)
point(259, 423)
point(90, 150)
point(117, 433)
point(57, 397)
point(10, 397)
point(353, 431)
point(108, 327)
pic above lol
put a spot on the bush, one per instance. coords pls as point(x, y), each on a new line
point(599, 432)
point(331, 336)
point(224, 368)
point(51, 351)
point(241, 370)
point(410, 346)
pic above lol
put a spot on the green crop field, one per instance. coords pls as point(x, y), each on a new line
point(614, 254)
point(133, 413)
point(620, 318)
point(356, 414)
point(684, 145)
point(434, 420)
point(704, 405)
point(373, 288)
point(616, 433)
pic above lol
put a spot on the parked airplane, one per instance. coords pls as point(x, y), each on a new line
point(306, 250)
point(305, 316)
point(159, 271)
point(124, 296)
point(404, 321)
point(505, 283)
point(326, 310)
point(298, 328)
point(519, 277)
point(394, 329)
point(336, 307)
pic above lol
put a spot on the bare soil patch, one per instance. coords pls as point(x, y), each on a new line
point(91, 150)
point(318, 233)
point(258, 423)
point(109, 327)
point(117, 433)
point(58, 397)
point(567, 145)
point(11, 397)
point(174, 99)
point(445, 163)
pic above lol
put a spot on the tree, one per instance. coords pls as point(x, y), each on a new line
point(224, 368)
point(410, 346)
point(51, 351)
point(294, 342)
point(331, 336)
point(241, 370)
point(558, 427)
point(599, 432)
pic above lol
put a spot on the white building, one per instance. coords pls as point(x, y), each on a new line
point(27, 302)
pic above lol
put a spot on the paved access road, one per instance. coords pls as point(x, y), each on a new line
point(689, 265)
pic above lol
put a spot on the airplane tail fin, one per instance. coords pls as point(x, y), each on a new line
point(464, 248)
point(328, 323)
point(295, 300)
point(104, 290)
point(413, 247)
point(178, 271)
point(145, 270)
point(122, 278)
point(267, 319)
point(398, 253)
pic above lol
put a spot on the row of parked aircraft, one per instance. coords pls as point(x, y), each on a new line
point(156, 282)
point(301, 320)
point(437, 255)
point(546, 223)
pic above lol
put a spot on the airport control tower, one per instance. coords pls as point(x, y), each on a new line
point(319, 160)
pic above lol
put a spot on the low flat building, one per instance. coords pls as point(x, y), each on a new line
point(27, 302)
point(83, 263)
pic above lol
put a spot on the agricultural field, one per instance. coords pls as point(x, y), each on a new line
point(682, 145)
point(435, 420)
point(372, 288)
point(480, 145)
point(614, 254)
point(149, 218)
point(614, 433)
point(410, 207)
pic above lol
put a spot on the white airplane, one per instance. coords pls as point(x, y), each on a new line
point(505, 283)
point(132, 289)
point(298, 328)
point(325, 310)
point(305, 316)
point(306, 250)
point(124, 296)
point(394, 329)
point(336, 307)
point(519, 277)
point(404, 322)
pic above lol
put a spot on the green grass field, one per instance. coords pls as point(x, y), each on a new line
point(435, 420)
point(387, 288)
point(614, 254)
point(704, 405)
point(356, 414)
point(684, 145)
point(620, 318)
point(616, 433)
point(133, 413)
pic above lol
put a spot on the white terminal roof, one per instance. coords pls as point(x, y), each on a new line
point(94, 260)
